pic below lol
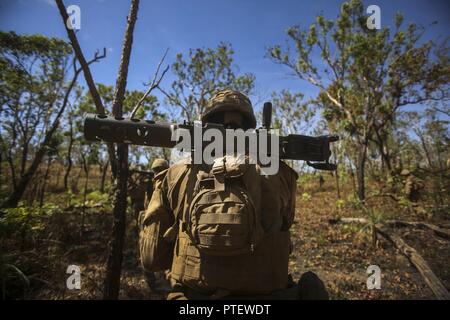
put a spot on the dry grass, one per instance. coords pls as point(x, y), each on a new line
point(339, 254)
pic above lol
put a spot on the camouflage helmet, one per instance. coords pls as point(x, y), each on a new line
point(160, 164)
point(405, 172)
point(134, 167)
point(230, 100)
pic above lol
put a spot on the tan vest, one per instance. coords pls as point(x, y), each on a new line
point(261, 270)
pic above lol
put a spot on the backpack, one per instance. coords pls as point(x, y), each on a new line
point(222, 246)
point(223, 218)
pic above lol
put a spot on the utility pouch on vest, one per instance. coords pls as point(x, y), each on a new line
point(222, 219)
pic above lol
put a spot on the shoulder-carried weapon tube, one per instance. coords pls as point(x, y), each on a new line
point(158, 134)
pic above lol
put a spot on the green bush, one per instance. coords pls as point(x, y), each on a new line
point(340, 204)
point(354, 203)
point(96, 197)
point(306, 196)
point(28, 221)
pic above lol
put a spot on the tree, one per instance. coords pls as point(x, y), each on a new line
point(114, 264)
point(365, 76)
point(118, 156)
point(197, 78)
point(34, 93)
point(289, 106)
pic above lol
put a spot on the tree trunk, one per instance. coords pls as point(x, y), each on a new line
point(104, 169)
point(69, 157)
point(352, 174)
point(383, 149)
point(74, 182)
point(12, 169)
point(1, 165)
point(83, 212)
point(338, 189)
point(17, 194)
point(44, 182)
point(31, 196)
point(114, 264)
point(23, 161)
point(58, 177)
point(362, 156)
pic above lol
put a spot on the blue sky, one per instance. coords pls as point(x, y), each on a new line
point(249, 25)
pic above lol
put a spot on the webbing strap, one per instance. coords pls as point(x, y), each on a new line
point(221, 240)
point(220, 218)
point(219, 170)
point(172, 232)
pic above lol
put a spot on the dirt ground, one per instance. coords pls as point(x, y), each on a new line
point(340, 254)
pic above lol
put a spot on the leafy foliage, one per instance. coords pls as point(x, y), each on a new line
point(200, 75)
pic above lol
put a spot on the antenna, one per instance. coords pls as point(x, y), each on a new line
point(267, 115)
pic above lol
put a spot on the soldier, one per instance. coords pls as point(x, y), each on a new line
point(139, 183)
point(321, 182)
point(223, 229)
point(158, 166)
point(412, 186)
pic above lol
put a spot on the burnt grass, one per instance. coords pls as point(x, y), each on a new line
point(340, 254)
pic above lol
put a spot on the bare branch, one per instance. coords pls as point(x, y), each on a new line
point(153, 85)
point(158, 67)
point(172, 100)
point(100, 109)
point(121, 83)
point(446, 112)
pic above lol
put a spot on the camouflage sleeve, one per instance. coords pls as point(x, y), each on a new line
point(158, 206)
point(156, 253)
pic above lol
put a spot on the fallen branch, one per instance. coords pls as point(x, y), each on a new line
point(389, 195)
point(421, 265)
point(397, 223)
point(422, 225)
point(348, 220)
point(413, 256)
point(83, 206)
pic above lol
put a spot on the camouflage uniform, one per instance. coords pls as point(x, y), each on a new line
point(412, 186)
point(139, 185)
point(263, 273)
point(159, 168)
